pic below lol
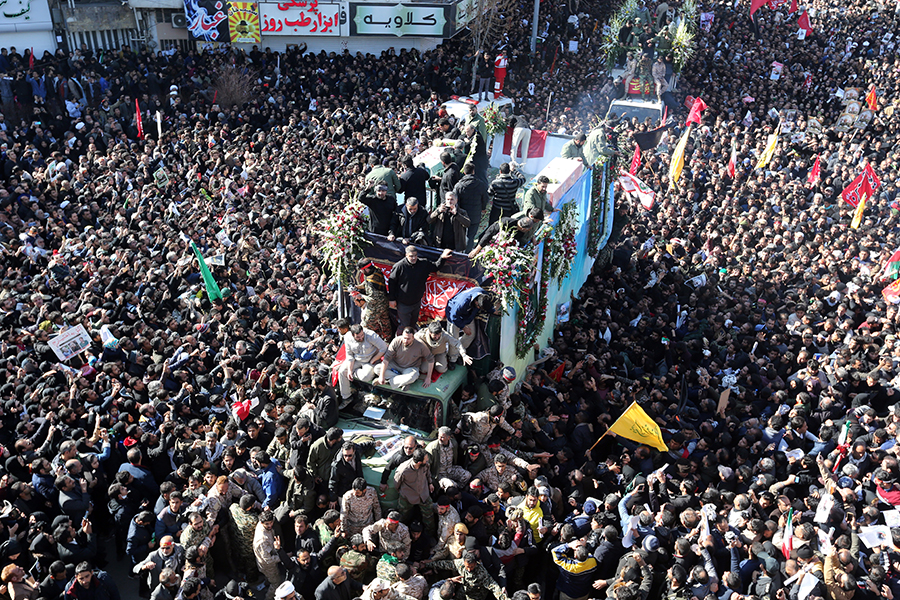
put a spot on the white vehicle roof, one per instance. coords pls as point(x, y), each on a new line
point(460, 108)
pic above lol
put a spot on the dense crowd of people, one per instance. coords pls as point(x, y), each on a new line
point(195, 442)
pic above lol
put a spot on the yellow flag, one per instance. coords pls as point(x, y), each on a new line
point(858, 213)
point(770, 149)
point(637, 426)
point(677, 163)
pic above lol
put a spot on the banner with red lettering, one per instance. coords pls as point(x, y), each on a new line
point(865, 184)
point(302, 18)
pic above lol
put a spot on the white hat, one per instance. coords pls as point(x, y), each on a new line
point(284, 590)
point(378, 584)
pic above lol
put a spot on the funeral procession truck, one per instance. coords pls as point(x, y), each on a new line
point(511, 337)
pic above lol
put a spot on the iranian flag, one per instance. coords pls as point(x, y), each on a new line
point(787, 537)
point(633, 185)
point(732, 162)
point(892, 266)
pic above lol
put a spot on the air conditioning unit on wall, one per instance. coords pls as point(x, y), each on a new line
point(179, 21)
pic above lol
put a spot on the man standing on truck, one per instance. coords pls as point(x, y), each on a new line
point(406, 286)
point(574, 148)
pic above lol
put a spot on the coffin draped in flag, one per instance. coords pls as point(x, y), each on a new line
point(457, 273)
point(865, 184)
point(633, 185)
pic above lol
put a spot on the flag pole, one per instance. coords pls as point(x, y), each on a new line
point(601, 437)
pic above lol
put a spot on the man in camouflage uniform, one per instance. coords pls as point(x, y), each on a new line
point(448, 517)
point(481, 424)
point(504, 375)
point(388, 535)
point(357, 561)
point(198, 533)
point(245, 519)
point(493, 448)
point(476, 582)
point(444, 456)
point(267, 559)
point(493, 476)
point(359, 507)
point(328, 525)
point(278, 448)
point(381, 589)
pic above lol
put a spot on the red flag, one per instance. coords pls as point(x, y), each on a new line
point(807, 82)
point(31, 58)
point(891, 293)
point(140, 126)
point(732, 162)
point(635, 160)
point(755, 5)
point(557, 373)
point(814, 172)
point(535, 144)
point(793, 7)
point(872, 99)
point(694, 116)
point(803, 22)
point(865, 184)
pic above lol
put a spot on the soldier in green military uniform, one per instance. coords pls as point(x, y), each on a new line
point(359, 563)
point(476, 582)
point(574, 148)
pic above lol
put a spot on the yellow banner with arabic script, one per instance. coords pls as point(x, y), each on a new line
point(637, 426)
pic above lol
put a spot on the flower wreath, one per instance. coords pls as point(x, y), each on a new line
point(562, 246)
point(344, 238)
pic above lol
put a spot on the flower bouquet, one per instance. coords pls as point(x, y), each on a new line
point(509, 265)
point(343, 235)
point(494, 120)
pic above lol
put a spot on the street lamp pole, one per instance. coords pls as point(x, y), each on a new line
point(534, 24)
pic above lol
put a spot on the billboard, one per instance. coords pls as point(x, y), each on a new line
point(24, 15)
point(402, 20)
point(207, 20)
point(243, 22)
point(296, 17)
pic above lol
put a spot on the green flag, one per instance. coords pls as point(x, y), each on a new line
point(212, 288)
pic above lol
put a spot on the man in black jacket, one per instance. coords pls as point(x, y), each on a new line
point(407, 284)
point(410, 223)
point(381, 207)
point(473, 199)
point(448, 179)
point(413, 179)
point(502, 192)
